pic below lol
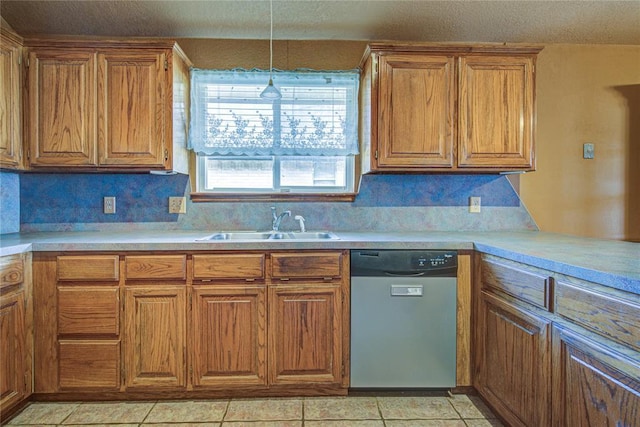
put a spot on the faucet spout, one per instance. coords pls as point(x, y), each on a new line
point(277, 219)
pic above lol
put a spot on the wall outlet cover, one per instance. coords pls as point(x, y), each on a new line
point(109, 205)
point(177, 205)
point(474, 204)
point(588, 151)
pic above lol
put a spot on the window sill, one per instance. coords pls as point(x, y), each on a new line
point(273, 197)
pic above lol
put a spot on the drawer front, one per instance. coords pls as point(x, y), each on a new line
point(167, 267)
point(11, 271)
point(88, 311)
point(248, 266)
point(525, 285)
point(307, 265)
point(609, 315)
point(89, 364)
point(88, 267)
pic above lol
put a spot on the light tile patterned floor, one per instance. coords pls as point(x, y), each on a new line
point(352, 411)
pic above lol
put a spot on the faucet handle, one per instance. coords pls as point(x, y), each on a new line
point(300, 219)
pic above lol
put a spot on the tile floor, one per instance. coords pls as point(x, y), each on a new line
point(352, 411)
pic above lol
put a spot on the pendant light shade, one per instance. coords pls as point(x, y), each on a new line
point(271, 92)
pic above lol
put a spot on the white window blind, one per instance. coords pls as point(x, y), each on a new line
point(317, 115)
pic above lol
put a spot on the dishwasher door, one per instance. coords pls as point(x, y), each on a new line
point(403, 332)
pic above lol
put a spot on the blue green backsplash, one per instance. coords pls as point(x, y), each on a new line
point(54, 202)
point(9, 202)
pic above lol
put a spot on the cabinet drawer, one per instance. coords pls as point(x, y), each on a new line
point(88, 311)
point(319, 264)
point(168, 267)
point(88, 267)
point(248, 266)
point(514, 280)
point(89, 364)
point(11, 271)
point(609, 315)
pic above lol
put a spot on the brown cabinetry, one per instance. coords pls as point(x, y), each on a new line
point(447, 108)
point(10, 100)
point(96, 105)
point(16, 340)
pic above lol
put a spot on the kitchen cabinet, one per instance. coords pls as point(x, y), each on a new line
point(10, 100)
point(229, 320)
point(155, 313)
point(16, 339)
point(447, 108)
point(106, 105)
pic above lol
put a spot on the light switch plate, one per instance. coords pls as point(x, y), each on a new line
point(474, 204)
point(588, 151)
point(109, 205)
point(177, 205)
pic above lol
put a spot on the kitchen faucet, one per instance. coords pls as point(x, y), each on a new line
point(277, 219)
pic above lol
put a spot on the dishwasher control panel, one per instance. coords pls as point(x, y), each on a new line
point(404, 263)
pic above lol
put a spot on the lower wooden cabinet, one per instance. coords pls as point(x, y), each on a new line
point(513, 361)
point(305, 332)
point(229, 336)
point(592, 385)
point(154, 336)
point(13, 379)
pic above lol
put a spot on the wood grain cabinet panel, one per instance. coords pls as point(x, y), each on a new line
point(513, 362)
point(607, 314)
point(11, 271)
point(229, 266)
point(61, 108)
point(156, 267)
point(13, 385)
point(306, 265)
point(155, 336)
point(496, 117)
point(131, 105)
point(305, 334)
point(593, 386)
point(88, 268)
point(10, 100)
point(88, 311)
point(229, 336)
point(416, 115)
point(89, 364)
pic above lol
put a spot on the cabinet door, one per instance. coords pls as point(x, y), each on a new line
point(10, 104)
point(496, 112)
point(131, 98)
point(12, 349)
point(305, 334)
point(593, 386)
point(416, 111)
point(154, 336)
point(61, 113)
point(513, 353)
point(229, 336)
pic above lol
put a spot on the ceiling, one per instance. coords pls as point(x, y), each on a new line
point(538, 21)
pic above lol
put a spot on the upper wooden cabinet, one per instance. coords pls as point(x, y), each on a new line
point(106, 105)
point(447, 108)
point(10, 100)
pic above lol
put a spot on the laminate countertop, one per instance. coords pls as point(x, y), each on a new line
point(611, 263)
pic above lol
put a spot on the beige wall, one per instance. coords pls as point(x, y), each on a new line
point(586, 93)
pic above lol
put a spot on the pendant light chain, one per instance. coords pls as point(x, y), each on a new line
point(271, 41)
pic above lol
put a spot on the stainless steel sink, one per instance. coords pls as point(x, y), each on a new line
point(271, 235)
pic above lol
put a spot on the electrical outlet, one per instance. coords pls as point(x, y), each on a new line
point(177, 205)
point(109, 205)
point(474, 204)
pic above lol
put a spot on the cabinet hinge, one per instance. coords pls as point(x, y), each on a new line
point(26, 63)
point(26, 381)
point(343, 370)
point(166, 65)
point(19, 60)
point(28, 154)
point(190, 301)
point(376, 154)
point(166, 155)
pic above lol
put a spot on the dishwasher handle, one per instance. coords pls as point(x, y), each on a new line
point(407, 290)
point(393, 274)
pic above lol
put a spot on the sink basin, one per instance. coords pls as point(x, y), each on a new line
point(271, 235)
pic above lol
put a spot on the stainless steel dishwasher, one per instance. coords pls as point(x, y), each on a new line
point(403, 319)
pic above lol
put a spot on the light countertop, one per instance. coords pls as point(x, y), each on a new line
point(608, 262)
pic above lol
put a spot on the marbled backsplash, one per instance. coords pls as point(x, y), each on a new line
point(9, 202)
point(56, 202)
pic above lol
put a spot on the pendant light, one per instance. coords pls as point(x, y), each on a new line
point(271, 92)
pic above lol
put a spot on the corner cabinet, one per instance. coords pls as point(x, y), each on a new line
point(447, 108)
point(106, 105)
point(10, 100)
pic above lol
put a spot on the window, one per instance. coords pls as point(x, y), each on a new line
point(302, 143)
